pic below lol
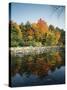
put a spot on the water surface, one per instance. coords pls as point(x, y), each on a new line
point(41, 69)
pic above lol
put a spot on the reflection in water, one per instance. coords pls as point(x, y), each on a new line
point(41, 69)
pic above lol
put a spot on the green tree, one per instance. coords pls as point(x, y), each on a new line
point(16, 35)
point(51, 28)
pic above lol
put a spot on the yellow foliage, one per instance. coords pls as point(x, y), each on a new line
point(30, 37)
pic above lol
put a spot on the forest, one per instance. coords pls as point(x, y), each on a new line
point(35, 34)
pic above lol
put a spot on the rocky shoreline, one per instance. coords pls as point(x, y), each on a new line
point(21, 51)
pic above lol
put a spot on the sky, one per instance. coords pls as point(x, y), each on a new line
point(21, 12)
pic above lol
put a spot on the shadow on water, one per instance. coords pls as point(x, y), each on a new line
point(42, 69)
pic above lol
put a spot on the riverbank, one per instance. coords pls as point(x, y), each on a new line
point(21, 51)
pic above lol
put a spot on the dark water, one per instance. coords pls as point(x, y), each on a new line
point(42, 69)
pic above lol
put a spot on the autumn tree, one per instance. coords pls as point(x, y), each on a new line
point(36, 34)
point(16, 35)
point(42, 26)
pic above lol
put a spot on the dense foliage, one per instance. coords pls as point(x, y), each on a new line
point(36, 34)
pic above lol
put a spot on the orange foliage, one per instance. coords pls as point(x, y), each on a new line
point(30, 32)
point(58, 34)
point(58, 57)
point(42, 25)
